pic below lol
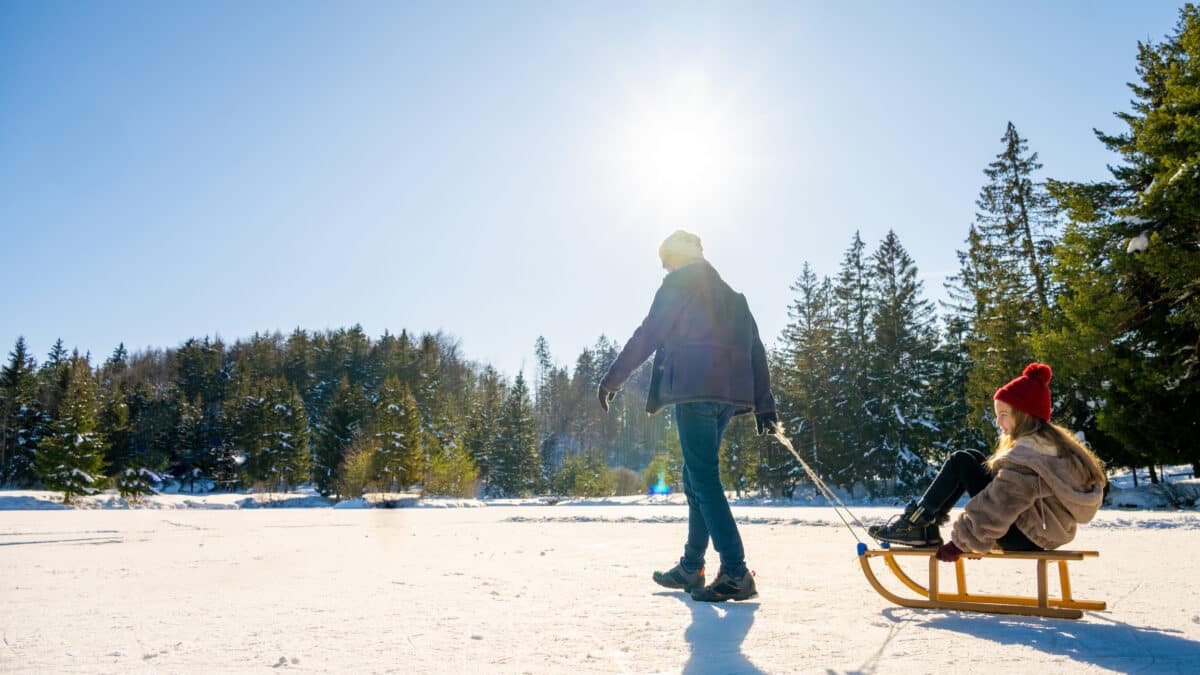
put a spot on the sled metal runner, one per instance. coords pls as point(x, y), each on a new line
point(932, 597)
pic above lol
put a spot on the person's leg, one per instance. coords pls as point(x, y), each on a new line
point(701, 426)
point(963, 472)
point(697, 537)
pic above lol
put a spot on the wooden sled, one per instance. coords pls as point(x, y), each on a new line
point(932, 597)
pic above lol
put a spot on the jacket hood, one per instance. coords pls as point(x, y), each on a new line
point(1070, 478)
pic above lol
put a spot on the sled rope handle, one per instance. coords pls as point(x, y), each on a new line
point(829, 495)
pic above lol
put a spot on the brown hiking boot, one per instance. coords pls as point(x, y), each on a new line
point(725, 587)
point(677, 577)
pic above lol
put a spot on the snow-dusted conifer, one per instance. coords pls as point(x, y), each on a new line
point(70, 459)
point(902, 365)
point(20, 417)
point(516, 462)
point(397, 437)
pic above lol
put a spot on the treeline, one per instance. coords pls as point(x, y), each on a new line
point(336, 409)
point(874, 383)
point(347, 413)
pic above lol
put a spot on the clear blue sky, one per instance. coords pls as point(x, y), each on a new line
point(500, 170)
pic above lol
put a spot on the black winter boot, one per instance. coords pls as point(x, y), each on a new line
point(915, 527)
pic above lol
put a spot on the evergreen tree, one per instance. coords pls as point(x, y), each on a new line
point(397, 432)
point(246, 416)
point(284, 440)
point(153, 421)
point(114, 424)
point(951, 428)
point(1017, 218)
point(342, 422)
point(53, 379)
point(1003, 290)
point(805, 381)
point(20, 417)
point(296, 366)
point(1127, 339)
point(516, 463)
point(201, 378)
point(482, 434)
point(848, 433)
point(133, 484)
point(902, 363)
point(70, 458)
point(197, 457)
point(543, 400)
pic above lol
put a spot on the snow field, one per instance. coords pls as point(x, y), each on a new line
point(547, 589)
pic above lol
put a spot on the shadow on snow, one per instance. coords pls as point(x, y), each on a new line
point(1100, 641)
point(716, 636)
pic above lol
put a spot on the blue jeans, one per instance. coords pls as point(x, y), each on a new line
point(701, 426)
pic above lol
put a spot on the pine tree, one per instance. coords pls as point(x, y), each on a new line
point(1017, 217)
point(296, 367)
point(1003, 291)
point(902, 362)
point(53, 379)
point(133, 484)
point(201, 378)
point(1128, 333)
point(20, 417)
point(341, 423)
point(246, 417)
point(805, 382)
point(848, 433)
point(70, 458)
point(197, 458)
point(114, 424)
point(284, 439)
point(516, 463)
point(397, 432)
point(947, 396)
point(149, 441)
point(482, 434)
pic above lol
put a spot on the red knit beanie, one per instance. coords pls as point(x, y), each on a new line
point(1030, 392)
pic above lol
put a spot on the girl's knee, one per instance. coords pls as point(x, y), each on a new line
point(966, 458)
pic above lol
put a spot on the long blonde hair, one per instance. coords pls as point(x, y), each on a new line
point(1064, 441)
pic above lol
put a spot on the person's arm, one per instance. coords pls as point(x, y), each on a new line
point(989, 514)
point(765, 417)
point(764, 400)
point(649, 336)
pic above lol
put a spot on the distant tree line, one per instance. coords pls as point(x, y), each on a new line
point(875, 384)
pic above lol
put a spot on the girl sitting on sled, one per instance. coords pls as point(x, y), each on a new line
point(1028, 496)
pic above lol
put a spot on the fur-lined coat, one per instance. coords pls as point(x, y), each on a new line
point(1046, 495)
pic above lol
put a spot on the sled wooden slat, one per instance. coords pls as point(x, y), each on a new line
point(930, 596)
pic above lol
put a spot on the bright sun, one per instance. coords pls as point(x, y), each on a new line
point(679, 147)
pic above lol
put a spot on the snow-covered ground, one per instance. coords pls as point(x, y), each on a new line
point(203, 584)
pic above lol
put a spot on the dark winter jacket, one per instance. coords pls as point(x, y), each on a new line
point(705, 345)
point(1043, 493)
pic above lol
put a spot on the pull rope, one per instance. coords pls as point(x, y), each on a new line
point(829, 495)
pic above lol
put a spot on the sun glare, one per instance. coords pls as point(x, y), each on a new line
point(680, 148)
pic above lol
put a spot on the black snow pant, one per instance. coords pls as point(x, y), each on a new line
point(966, 471)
